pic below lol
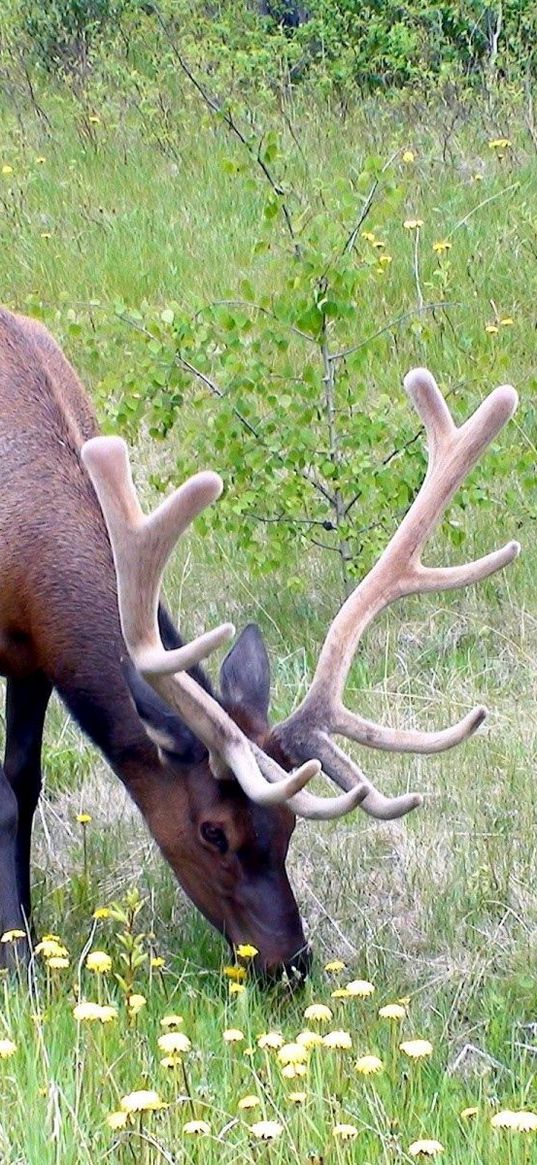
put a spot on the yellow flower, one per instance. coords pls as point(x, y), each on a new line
point(46, 235)
point(117, 1120)
point(266, 1130)
point(108, 1013)
point(345, 1132)
point(270, 1040)
point(156, 962)
point(506, 322)
point(425, 1148)
point(247, 951)
point(379, 244)
point(522, 1121)
point(308, 1039)
point(58, 963)
point(340, 993)
point(467, 1113)
point(249, 1101)
point(385, 260)
point(412, 224)
point(292, 1054)
point(408, 157)
point(171, 1021)
point(318, 1012)
point(82, 818)
point(101, 912)
point(40, 161)
point(392, 1011)
point(369, 1065)
point(441, 246)
point(336, 965)
point(170, 1061)
point(233, 1035)
point(500, 144)
point(369, 236)
point(492, 329)
point(297, 1097)
point(235, 973)
point(50, 948)
point(291, 1071)
point(11, 936)
point(237, 989)
point(99, 962)
point(196, 1129)
point(416, 1049)
point(135, 1003)
point(360, 987)
point(174, 1043)
point(94, 119)
point(145, 1100)
point(95, 1012)
point(7, 1048)
point(340, 1040)
point(7, 169)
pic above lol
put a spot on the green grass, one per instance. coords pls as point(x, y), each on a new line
point(442, 906)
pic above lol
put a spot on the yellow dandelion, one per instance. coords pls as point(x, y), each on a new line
point(237, 989)
point(522, 1121)
point(360, 987)
point(292, 1054)
point(392, 1011)
point(196, 1129)
point(101, 912)
point(345, 1132)
point(338, 1040)
point(500, 143)
point(99, 962)
point(233, 1035)
point(246, 951)
point(425, 1148)
point(7, 169)
point(12, 936)
point(378, 244)
point(94, 119)
point(249, 1101)
point(144, 1100)
point(108, 1013)
point(340, 993)
point(174, 1043)
point(7, 1049)
point(58, 963)
point(336, 965)
point(40, 161)
point(170, 1061)
point(507, 322)
point(468, 1113)
point(492, 329)
point(117, 1120)
point(51, 938)
point(135, 1003)
point(82, 818)
point(369, 236)
point(237, 974)
point(171, 1021)
point(297, 1097)
point(319, 1012)
point(369, 1065)
point(270, 1040)
point(416, 1049)
point(441, 246)
point(156, 962)
point(309, 1039)
point(50, 948)
point(412, 224)
point(266, 1130)
point(292, 1071)
point(385, 260)
point(408, 156)
point(94, 1012)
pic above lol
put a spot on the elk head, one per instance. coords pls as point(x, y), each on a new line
point(229, 842)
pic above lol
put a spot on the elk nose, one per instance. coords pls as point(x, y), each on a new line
point(295, 969)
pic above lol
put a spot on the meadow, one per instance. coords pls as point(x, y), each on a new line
point(109, 225)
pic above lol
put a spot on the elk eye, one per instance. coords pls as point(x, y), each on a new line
point(214, 836)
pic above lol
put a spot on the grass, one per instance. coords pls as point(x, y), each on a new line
point(441, 907)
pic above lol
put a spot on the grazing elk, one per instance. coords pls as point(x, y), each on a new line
point(208, 774)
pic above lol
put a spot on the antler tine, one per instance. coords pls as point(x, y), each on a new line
point(141, 546)
point(399, 571)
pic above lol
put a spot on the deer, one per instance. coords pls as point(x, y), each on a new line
point(81, 570)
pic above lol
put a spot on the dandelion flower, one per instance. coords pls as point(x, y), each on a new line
point(416, 1049)
point(292, 1054)
point(522, 1121)
point(117, 1120)
point(246, 951)
point(237, 974)
point(507, 322)
point(144, 1100)
point(441, 246)
point(319, 1012)
point(51, 948)
point(58, 963)
point(297, 1097)
point(171, 1021)
point(334, 966)
point(95, 1012)
point(135, 1003)
point(11, 936)
point(309, 1039)
point(468, 1113)
point(249, 1101)
point(385, 260)
point(291, 1071)
point(369, 1065)
point(369, 236)
point(82, 818)
point(157, 962)
point(344, 1132)
point(237, 989)
point(94, 119)
point(360, 987)
point(270, 1040)
point(40, 161)
point(108, 1013)
point(500, 144)
point(7, 1049)
point(174, 1043)
point(266, 1130)
point(412, 224)
point(425, 1148)
point(339, 1040)
point(492, 329)
point(392, 1011)
point(170, 1061)
point(408, 157)
point(196, 1129)
point(340, 993)
point(101, 912)
point(99, 962)
point(46, 235)
point(233, 1035)
point(7, 169)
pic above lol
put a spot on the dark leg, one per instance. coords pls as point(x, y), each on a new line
point(10, 910)
point(26, 705)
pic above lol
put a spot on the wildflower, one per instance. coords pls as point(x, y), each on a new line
point(467, 1113)
point(369, 1065)
point(46, 235)
point(408, 157)
point(94, 1011)
point(99, 962)
point(340, 1040)
point(170, 1061)
point(297, 1097)
point(7, 1048)
point(392, 1011)
point(135, 1003)
point(292, 1054)
point(425, 1148)
point(334, 966)
point(58, 963)
point(235, 973)
point(266, 1130)
point(249, 1101)
point(40, 161)
point(196, 1129)
point(7, 170)
point(492, 329)
point(340, 993)
point(117, 1120)
point(378, 244)
point(270, 1040)
point(94, 119)
point(360, 987)
point(174, 1043)
point(101, 912)
point(412, 224)
point(237, 988)
point(369, 236)
point(416, 1049)
point(291, 1071)
point(11, 936)
point(507, 322)
point(441, 246)
point(385, 260)
point(233, 1035)
point(82, 818)
point(309, 1039)
point(145, 1100)
point(318, 1012)
point(50, 948)
point(500, 144)
point(522, 1121)
point(247, 951)
point(345, 1132)
point(108, 1013)
point(172, 1021)
point(156, 962)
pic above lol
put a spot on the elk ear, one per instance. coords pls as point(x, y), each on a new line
point(245, 674)
point(172, 738)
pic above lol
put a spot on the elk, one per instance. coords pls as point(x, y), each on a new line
point(80, 612)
